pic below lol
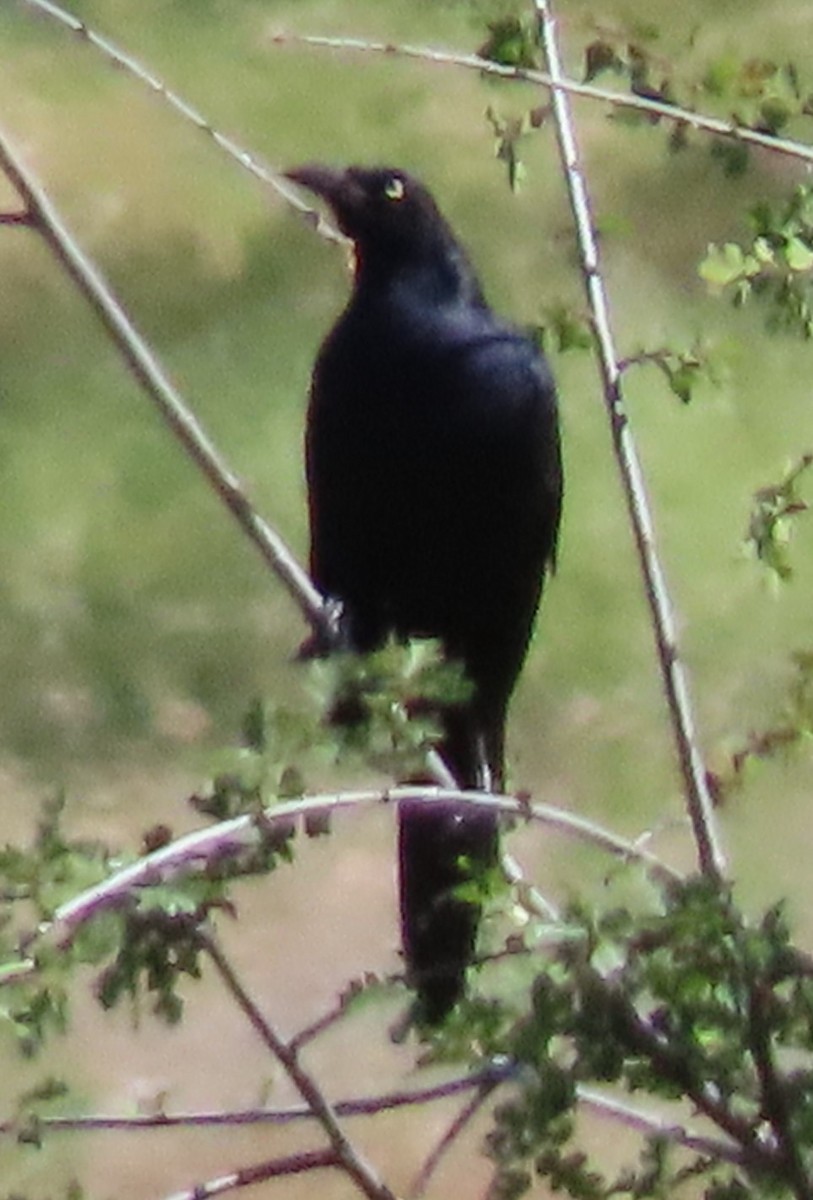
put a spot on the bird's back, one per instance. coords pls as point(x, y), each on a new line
point(434, 477)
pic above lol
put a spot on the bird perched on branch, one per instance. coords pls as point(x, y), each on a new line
point(435, 484)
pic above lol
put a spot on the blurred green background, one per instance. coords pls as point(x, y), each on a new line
point(136, 623)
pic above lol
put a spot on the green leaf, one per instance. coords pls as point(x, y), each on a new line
point(774, 114)
point(798, 255)
point(723, 265)
point(512, 42)
point(683, 381)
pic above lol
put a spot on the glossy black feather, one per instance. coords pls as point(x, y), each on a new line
point(435, 483)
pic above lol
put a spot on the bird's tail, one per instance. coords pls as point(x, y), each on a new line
point(441, 848)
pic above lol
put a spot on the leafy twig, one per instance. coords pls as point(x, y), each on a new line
point(773, 507)
point(774, 1101)
point(673, 674)
point(560, 84)
point(246, 159)
point(195, 850)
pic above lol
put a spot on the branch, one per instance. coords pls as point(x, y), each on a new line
point(528, 896)
point(498, 1071)
point(291, 1164)
point(153, 379)
point(466, 1114)
point(774, 1101)
point(445, 58)
point(309, 1033)
point(226, 838)
point(344, 1152)
point(673, 674)
point(239, 154)
point(651, 1125)
point(558, 83)
point(669, 1063)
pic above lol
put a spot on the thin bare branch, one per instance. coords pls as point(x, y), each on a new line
point(153, 379)
point(348, 1157)
point(450, 1136)
point(291, 1164)
point(529, 897)
point(673, 673)
point(239, 154)
point(652, 1125)
point(445, 58)
point(560, 83)
point(330, 1018)
point(226, 838)
point(643, 1121)
point(362, 1106)
point(22, 217)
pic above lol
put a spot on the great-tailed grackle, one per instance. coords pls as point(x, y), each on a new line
point(435, 485)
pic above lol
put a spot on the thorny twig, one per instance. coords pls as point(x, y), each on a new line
point(347, 1156)
point(673, 674)
point(427, 54)
point(239, 154)
point(195, 850)
point(150, 374)
point(558, 83)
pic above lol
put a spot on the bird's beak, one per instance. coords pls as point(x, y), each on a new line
point(326, 182)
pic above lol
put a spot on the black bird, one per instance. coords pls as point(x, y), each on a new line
point(435, 485)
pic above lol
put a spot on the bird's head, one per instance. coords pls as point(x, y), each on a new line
point(383, 210)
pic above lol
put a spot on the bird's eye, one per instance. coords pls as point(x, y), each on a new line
point(394, 188)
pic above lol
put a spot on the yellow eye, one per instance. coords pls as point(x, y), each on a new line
point(394, 188)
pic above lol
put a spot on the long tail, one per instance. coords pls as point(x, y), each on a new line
point(440, 848)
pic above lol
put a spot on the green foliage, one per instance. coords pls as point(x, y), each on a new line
point(792, 731)
point(628, 53)
point(762, 95)
point(53, 868)
point(683, 370)
point(157, 949)
point(563, 328)
point(777, 267)
point(775, 510)
point(509, 133)
point(380, 707)
point(28, 1110)
point(383, 707)
point(754, 93)
point(687, 1000)
point(512, 41)
point(34, 881)
point(267, 766)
